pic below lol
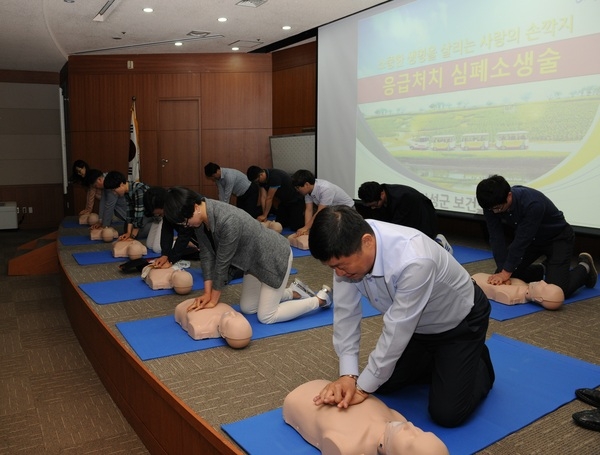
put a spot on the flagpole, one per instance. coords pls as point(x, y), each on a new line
point(134, 149)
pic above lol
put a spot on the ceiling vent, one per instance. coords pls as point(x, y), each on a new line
point(251, 3)
point(106, 10)
point(198, 34)
point(246, 44)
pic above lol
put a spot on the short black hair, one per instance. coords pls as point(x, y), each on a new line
point(492, 191)
point(337, 231)
point(75, 177)
point(370, 192)
point(253, 172)
point(211, 168)
point(113, 179)
point(180, 204)
point(301, 177)
point(154, 198)
point(91, 176)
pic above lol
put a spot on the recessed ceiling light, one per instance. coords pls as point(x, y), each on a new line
point(222, 19)
point(235, 48)
point(286, 27)
point(178, 43)
point(148, 10)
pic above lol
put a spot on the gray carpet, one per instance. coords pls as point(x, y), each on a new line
point(52, 401)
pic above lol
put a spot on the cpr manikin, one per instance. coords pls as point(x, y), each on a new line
point(299, 241)
point(274, 225)
point(218, 321)
point(88, 218)
point(547, 295)
point(107, 234)
point(369, 428)
point(132, 249)
point(169, 278)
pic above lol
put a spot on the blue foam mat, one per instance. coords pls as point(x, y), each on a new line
point(114, 291)
point(162, 336)
point(103, 257)
point(501, 312)
point(75, 240)
point(466, 254)
point(530, 383)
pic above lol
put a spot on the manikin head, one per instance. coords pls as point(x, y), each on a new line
point(403, 438)
point(108, 234)
point(136, 250)
point(550, 296)
point(182, 281)
point(92, 218)
point(235, 329)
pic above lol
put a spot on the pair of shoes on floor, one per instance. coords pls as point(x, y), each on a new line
point(325, 293)
point(592, 277)
point(589, 419)
point(444, 243)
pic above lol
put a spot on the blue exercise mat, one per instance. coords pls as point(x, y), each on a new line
point(298, 253)
point(530, 383)
point(162, 336)
point(75, 240)
point(103, 257)
point(69, 224)
point(501, 312)
point(114, 291)
point(466, 254)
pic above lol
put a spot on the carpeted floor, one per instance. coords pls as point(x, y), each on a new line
point(52, 402)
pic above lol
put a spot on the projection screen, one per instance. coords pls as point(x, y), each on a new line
point(439, 95)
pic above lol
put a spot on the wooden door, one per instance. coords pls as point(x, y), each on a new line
point(179, 161)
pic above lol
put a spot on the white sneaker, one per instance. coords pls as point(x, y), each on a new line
point(326, 294)
point(303, 290)
point(442, 241)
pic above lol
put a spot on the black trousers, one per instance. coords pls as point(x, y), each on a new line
point(559, 253)
point(456, 363)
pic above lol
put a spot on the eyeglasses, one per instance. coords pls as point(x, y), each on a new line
point(185, 223)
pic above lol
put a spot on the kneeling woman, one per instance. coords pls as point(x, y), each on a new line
point(229, 236)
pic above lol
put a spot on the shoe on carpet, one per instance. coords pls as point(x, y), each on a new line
point(302, 289)
point(445, 244)
point(326, 294)
point(592, 278)
point(588, 419)
point(589, 396)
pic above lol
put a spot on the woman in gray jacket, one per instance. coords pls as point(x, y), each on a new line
point(229, 236)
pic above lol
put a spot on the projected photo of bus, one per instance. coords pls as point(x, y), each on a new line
point(512, 140)
point(419, 143)
point(443, 142)
point(475, 141)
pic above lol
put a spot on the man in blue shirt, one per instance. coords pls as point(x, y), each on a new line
point(540, 229)
point(435, 318)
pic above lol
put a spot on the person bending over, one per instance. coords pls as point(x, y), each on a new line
point(137, 225)
point(435, 318)
point(539, 229)
point(229, 236)
point(319, 193)
point(231, 181)
point(401, 204)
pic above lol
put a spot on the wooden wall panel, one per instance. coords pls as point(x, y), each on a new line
point(170, 63)
point(234, 90)
point(239, 100)
point(46, 201)
point(294, 89)
point(179, 85)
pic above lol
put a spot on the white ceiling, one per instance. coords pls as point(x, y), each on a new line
point(40, 35)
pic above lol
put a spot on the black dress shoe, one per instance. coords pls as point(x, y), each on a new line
point(589, 396)
point(588, 419)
